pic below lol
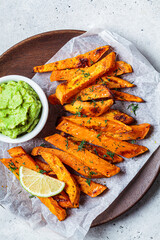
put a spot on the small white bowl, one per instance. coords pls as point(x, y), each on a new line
point(44, 113)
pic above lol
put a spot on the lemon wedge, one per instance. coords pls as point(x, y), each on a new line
point(38, 184)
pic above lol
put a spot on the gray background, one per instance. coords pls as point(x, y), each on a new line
point(139, 21)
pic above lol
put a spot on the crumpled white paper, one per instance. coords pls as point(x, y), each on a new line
point(79, 220)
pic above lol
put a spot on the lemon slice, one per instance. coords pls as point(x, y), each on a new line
point(38, 184)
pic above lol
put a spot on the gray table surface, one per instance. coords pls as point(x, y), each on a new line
point(139, 21)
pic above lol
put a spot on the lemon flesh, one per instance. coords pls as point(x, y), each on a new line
point(38, 184)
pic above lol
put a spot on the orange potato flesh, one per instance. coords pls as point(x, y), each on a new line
point(96, 91)
point(114, 82)
point(122, 96)
point(113, 114)
point(83, 60)
point(98, 123)
point(89, 187)
point(138, 132)
point(54, 100)
point(89, 108)
point(119, 69)
point(67, 90)
point(119, 147)
point(69, 160)
point(84, 156)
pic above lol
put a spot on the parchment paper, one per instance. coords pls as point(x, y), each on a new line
point(148, 87)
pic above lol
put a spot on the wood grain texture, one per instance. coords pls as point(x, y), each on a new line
point(37, 50)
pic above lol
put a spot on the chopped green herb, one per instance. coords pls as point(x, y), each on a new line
point(95, 150)
point(91, 62)
point(110, 154)
point(88, 181)
point(66, 143)
point(99, 134)
point(32, 196)
point(81, 146)
point(89, 121)
point(134, 107)
point(43, 145)
point(133, 141)
point(42, 171)
point(37, 166)
point(19, 192)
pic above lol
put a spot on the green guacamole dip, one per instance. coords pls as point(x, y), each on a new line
point(20, 108)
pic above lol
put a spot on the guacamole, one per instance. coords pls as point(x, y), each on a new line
point(20, 108)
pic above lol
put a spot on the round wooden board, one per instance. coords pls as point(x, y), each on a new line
point(37, 50)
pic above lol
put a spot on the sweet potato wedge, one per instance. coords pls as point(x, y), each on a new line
point(122, 96)
point(54, 100)
point(63, 200)
point(69, 160)
point(62, 173)
point(98, 123)
point(119, 69)
point(65, 75)
point(89, 187)
point(13, 165)
point(138, 132)
point(99, 151)
point(95, 91)
point(113, 114)
point(84, 156)
point(114, 82)
point(89, 108)
point(69, 89)
point(103, 153)
point(83, 60)
point(119, 147)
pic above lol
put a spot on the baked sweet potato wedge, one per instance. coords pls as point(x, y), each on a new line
point(69, 160)
point(65, 75)
point(99, 151)
point(138, 132)
point(114, 82)
point(63, 200)
point(83, 60)
point(89, 187)
point(113, 114)
point(54, 100)
point(99, 123)
point(69, 89)
point(84, 156)
point(62, 174)
point(122, 96)
point(119, 147)
point(119, 69)
point(95, 91)
point(89, 108)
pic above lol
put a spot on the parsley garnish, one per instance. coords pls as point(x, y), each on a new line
point(110, 154)
point(133, 141)
point(89, 121)
point(66, 143)
point(32, 196)
point(88, 181)
point(42, 171)
point(134, 107)
point(81, 146)
point(12, 167)
point(42, 145)
point(99, 134)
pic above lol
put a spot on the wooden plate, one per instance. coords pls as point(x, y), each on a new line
point(36, 50)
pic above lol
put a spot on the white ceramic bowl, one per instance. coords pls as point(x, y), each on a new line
point(44, 114)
